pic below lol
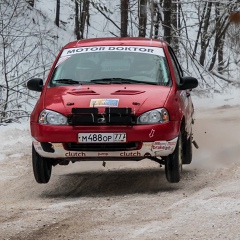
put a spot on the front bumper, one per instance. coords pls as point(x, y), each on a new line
point(148, 149)
point(157, 140)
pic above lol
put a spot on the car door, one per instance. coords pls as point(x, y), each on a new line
point(182, 96)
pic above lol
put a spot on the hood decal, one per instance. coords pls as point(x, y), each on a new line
point(104, 102)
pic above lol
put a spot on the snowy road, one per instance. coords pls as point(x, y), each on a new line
point(126, 200)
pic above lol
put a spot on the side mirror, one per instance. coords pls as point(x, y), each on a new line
point(188, 83)
point(35, 84)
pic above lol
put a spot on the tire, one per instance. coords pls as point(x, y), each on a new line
point(42, 167)
point(173, 163)
point(187, 150)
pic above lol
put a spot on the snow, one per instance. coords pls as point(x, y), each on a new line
point(2, 157)
point(211, 99)
point(15, 141)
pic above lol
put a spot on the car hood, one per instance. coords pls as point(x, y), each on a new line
point(140, 98)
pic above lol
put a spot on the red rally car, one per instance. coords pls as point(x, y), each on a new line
point(113, 99)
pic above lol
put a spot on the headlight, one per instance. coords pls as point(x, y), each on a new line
point(52, 118)
point(154, 117)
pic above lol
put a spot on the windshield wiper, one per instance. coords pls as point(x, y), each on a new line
point(67, 81)
point(120, 81)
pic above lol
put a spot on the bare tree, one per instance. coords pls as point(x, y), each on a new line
point(221, 28)
point(142, 17)
point(21, 50)
point(77, 21)
point(107, 13)
point(175, 23)
point(157, 18)
point(124, 18)
point(57, 12)
point(167, 4)
point(199, 29)
point(205, 37)
point(81, 17)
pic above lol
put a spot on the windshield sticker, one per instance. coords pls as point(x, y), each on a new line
point(104, 102)
point(61, 60)
point(137, 49)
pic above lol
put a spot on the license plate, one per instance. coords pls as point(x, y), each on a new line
point(101, 137)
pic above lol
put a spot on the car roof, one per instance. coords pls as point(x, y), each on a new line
point(117, 41)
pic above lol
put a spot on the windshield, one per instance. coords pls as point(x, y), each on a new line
point(103, 66)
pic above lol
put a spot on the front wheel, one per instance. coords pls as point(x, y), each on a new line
point(173, 162)
point(42, 167)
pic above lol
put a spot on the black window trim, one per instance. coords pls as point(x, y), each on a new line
point(179, 69)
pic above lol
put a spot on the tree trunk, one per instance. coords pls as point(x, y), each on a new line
point(220, 55)
point(142, 10)
point(84, 15)
point(5, 77)
point(158, 19)
point(175, 24)
point(199, 30)
point(219, 36)
point(77, 29)
point(57, 13)
point(124, 18)
point(152, 17)
point(167, 20)
point(205, 38)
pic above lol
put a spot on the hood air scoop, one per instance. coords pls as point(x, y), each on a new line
point(127, 92)
point(83, 92)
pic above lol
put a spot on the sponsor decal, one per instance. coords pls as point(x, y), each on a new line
point(139, 49)
point(75, 154)
point(130, 154)
point(163, 146)
point(159, 146)
point(104, 102)
point(102, 154)
point(151, 134)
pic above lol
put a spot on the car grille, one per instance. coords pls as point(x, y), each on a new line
point(102, 146)
point(111, 116)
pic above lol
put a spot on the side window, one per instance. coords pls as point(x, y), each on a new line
point(176, 66)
